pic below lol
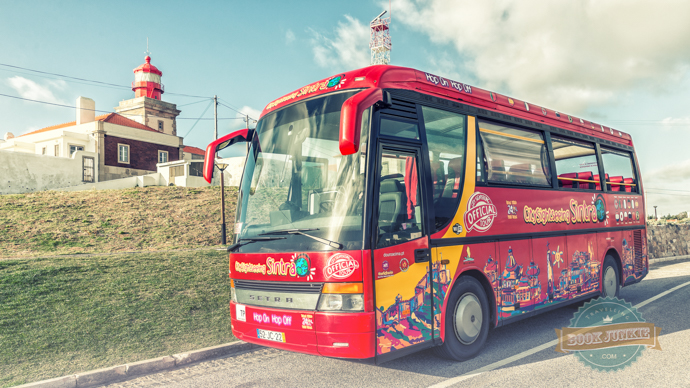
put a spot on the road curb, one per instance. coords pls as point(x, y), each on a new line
point(136, 369)
point(671, 258)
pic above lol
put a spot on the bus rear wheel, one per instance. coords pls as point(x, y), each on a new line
point(610, 278)
point(467, 321)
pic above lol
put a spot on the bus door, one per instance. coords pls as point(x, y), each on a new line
point(401, 253)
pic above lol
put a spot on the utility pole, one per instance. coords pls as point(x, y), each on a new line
point(655, 216)
point(215, 117)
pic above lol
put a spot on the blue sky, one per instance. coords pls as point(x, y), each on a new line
point(625, 64)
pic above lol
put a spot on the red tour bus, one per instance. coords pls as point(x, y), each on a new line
point(388, 210)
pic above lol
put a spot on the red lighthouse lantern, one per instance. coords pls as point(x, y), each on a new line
point(147, 81)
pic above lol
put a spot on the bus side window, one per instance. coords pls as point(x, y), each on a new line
point(514, 155)
point(620, 174)
point(576, 164)
point(445, 134)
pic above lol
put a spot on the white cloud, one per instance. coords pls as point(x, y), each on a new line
point(671, 121)
point(253, 113)
point(241, 123)
point(674, 173)
point(289, 36)
point(32, 90)
point(562, 54)
point(348, 49)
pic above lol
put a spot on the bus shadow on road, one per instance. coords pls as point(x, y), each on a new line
point(513, 339)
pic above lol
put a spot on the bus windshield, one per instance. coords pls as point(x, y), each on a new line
point(297, 186)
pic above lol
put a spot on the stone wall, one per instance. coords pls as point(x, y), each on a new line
point(668, 240)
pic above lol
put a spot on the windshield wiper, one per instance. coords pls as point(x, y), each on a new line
point(330, 243)
point(245, 241)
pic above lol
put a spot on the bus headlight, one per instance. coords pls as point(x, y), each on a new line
point(341, 302)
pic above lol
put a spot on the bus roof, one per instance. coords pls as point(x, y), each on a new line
point(395, 77)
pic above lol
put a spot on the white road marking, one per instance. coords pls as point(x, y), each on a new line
point(526, 353)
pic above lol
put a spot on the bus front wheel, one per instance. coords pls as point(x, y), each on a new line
point(467, 320)
point(610, 278)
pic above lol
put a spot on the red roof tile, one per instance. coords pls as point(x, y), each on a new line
point(194, 150)
point(112, 118)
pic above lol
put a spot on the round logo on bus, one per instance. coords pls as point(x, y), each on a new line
point(404, 265)
point(302, 264)
point(600, 205)
point(340, 266)
point(480, 213)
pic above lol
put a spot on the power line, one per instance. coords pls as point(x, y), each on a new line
point(197, 121)
point(235, 109)
point(63, 76)
point(652, 188)
point(92, 81)
point(672, 194)
point(210, 118)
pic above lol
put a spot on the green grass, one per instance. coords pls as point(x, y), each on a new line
point(69, 315)
point(139, 219)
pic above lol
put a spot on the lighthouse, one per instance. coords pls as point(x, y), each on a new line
point(147, 107)
point(147, 81)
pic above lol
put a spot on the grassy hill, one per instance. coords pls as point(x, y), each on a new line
point(149, 219)
point(66, 314)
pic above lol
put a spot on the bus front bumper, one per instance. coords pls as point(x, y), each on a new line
point(345, 335)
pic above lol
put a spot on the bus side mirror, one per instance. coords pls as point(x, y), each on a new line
point(351, 117)
point(243, 135)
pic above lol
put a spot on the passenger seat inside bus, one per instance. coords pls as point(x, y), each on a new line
point(391, 203)
point(613, 186)
point(497, 171)
point(567, 183)
point(598, 184)
point(588, 177)
point(452, 188)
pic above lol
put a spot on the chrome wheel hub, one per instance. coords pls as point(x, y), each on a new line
point(468, 318)
point(610, 282)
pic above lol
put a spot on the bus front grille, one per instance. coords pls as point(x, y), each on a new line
point(288, 295)
point(260, 285)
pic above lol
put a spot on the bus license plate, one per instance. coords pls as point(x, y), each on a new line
point(270, 335)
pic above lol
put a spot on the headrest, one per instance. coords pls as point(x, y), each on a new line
point(456, 164)
point(524, 167)
point(391, 186)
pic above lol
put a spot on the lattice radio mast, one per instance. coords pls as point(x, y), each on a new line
point(380, 42)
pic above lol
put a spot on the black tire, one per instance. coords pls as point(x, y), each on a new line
point(612, 281)
point(467, 295)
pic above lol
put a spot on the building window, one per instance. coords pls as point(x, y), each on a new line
point(162, 156)
point(57, 149)
point(88, 169)
point(196, 169)
point(43, 151)
point(73, 149)
point(176, 171)
point(160, 125)
point(123, 153)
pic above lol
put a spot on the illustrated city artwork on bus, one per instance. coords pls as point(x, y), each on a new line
point(519, 289)
point(409, 322)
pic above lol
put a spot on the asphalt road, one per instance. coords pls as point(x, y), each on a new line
point(517, 355)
